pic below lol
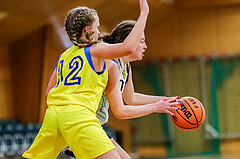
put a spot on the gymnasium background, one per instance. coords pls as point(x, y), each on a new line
point(193, 50)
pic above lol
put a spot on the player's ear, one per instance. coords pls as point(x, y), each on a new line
point(86, 29)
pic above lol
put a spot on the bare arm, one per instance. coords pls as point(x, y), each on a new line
point(133, 98)
point(110, 51)
point(122, 111)
point(52, 82)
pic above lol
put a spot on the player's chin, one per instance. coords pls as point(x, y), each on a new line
point(140, 57)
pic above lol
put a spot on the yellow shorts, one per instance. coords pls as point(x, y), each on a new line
point(75, 126)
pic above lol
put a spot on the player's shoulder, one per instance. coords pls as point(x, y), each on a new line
point(99, 47)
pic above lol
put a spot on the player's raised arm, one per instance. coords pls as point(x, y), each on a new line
point(109, 51)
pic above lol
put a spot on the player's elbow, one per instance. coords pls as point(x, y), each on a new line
point(129, 100)
point(119, 115)
point(128, 49)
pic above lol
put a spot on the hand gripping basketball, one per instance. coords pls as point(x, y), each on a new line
point(191, 114)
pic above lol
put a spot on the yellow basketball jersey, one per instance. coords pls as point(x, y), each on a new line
point(77, 81)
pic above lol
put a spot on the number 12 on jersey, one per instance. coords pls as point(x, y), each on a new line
point(74, 67)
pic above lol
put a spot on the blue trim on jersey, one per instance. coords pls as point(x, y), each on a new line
point(104, 67)
point(114, 60)
point(109, 136)
point(128, 70)
point(58, 60)
point(89, 58)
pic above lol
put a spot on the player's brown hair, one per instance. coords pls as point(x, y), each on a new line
point(76, 21)
point(119, 33)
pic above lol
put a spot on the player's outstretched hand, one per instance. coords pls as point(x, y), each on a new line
point(170, 98)
point(144, 8)
point(166, 104)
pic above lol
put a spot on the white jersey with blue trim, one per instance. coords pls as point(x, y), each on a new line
point(102, 112)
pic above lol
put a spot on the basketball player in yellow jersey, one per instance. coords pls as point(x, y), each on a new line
point(81, 78)
point(76, 89)
point(126, 87)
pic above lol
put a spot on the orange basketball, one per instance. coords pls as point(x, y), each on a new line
point(191, 114)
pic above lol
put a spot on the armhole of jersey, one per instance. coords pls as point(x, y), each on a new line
point(128, 70)
point(104, 68)
point(89, 59)
point(120, 63)
point(114, 60)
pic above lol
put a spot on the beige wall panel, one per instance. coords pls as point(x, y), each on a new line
point(6, 105)
point(185, 33)
point(163, 39)
point(230, 147)
point(198, 32)
point(152, 150)
point(229, 30)
point(205, 3)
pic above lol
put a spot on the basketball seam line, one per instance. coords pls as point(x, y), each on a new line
point(184, 118)
point(201, 111)
point(192, 111)
point(182, 126)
